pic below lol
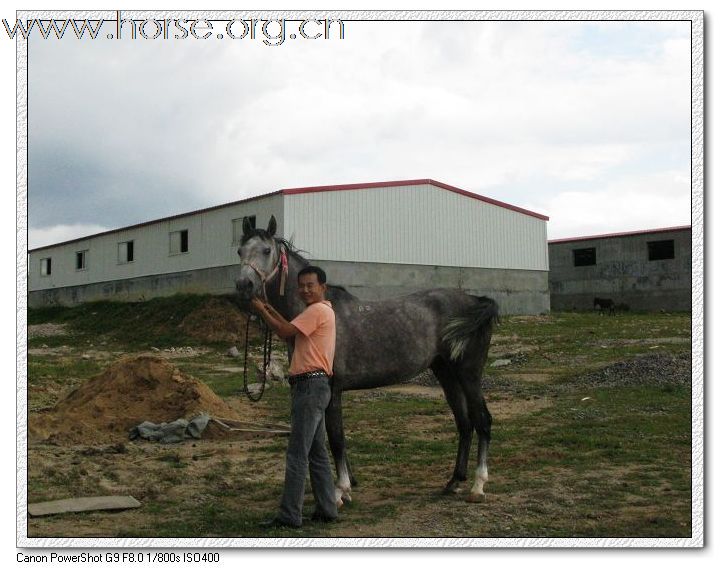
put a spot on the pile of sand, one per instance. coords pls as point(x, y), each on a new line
point(131, 391)
point(217, 320)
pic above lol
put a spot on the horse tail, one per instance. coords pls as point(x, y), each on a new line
point(476, 323)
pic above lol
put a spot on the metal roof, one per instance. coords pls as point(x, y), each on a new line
point(414, 182)
point(313, 189)
point(622, 234)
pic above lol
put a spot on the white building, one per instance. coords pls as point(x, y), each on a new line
point(376, 239)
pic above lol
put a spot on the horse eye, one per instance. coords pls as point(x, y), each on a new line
point(266, 251)
point(239, 253)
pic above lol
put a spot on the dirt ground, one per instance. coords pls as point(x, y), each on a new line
point(80, 447)
point(226, 463)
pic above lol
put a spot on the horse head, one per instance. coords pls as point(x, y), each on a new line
point(260, 259)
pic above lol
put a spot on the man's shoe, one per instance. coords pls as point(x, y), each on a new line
point(320, 518)
point(277, 523)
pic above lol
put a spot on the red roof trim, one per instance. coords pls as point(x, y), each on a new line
point(162, 219)
point(300, 190)
point(623, 234)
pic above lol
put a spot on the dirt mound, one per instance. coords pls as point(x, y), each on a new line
point(127, 393)
point(656, 369)
point(217, 320)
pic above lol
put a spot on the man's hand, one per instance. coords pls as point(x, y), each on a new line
point(277, 322)
point(258, 304)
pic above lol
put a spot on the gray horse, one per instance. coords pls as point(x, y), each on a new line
point(385, 342)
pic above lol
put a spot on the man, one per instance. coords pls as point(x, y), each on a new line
point(310, 372)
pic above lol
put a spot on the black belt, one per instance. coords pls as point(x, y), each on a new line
point(293, 379)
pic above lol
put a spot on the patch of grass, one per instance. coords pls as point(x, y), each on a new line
point(49, 377)
point(174, 459)
point(52, 341)
point(224, 385)
point(565, 344)
point(136, 324)
point(43, 368)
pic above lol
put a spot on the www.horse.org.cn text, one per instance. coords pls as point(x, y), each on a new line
point(272, 32)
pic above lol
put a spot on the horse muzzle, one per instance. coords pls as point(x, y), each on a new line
point(246, 288)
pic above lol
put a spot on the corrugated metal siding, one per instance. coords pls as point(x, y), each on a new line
point(417, 224)
point(210, 244)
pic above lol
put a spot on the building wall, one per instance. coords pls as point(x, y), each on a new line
point(517, 291)
point(210, 236)
point(390, 241)
point(415, 224)
point(623, 273)
point(218, 280)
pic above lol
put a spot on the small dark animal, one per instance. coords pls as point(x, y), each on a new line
point(622, 307)
point(606, 305)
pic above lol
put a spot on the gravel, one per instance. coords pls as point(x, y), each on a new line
point(46, 329)
point(653, 369)
point(660, 369)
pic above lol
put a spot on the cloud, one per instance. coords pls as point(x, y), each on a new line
point(645, 202)
point(59, 233)
point(122, 132)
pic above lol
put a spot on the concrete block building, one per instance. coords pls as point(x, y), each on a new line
point(376, 239)
point(647, 270)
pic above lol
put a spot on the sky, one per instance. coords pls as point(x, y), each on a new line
point(586, 122)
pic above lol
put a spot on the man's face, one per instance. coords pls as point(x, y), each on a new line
point(310, 290)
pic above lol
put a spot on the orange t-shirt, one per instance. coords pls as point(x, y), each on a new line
point(315, 344)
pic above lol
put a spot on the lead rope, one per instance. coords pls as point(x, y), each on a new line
point(267, 352)
point(267, 332)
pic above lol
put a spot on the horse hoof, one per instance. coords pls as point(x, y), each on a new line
point(476, 498)
point(342, 497)
point(452, 488)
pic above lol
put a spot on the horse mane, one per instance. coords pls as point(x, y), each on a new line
point(289, 246)
point(293, 251)
point(338, 293)
point(335, 293)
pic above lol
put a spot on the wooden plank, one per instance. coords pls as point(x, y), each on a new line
point(230, 424)
point(261, 432)
point(82, 504)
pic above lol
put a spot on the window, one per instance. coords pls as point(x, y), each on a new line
point(179, 241)
point(237, 226)
point(81, 260)
point(584, 257)
point(126, 252)
point(661, 250)
point(45, 266)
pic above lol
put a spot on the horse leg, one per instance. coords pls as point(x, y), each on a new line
point(482, 422)
point(456, 399)
point(336, 439)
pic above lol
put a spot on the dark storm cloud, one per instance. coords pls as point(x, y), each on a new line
point(69, 188)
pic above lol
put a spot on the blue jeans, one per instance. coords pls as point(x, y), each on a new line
point(306, 448)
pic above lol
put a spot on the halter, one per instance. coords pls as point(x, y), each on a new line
point(281, 265)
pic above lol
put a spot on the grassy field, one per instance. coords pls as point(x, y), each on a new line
point(569, 458)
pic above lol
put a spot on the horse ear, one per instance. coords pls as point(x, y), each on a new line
point(272, 226)
point(247, 226)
